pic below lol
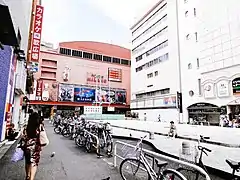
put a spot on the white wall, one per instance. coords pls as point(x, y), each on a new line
point(21, 13)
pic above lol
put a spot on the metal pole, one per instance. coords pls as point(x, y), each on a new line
point(179, 60)
point(115, 155)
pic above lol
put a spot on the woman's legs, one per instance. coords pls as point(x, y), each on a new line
point(33, 170)
point(28, 170)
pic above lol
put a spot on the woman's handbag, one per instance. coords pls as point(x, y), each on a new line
point(44, 141)
point(18, 155)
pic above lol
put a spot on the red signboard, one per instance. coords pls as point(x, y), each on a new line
point(39, 90)
point(37, 32)
point(95, 79)
point(115, 74)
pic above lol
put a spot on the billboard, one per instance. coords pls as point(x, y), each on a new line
point(105, 95)
point(37, 33)
point(39, 90)
point(120, 96)
point(65, 92)
point(84, 94)
point(115, 74)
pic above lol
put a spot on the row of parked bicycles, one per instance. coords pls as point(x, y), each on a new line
point(89, 135)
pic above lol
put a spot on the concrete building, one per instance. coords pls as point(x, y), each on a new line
point(155, 63)
point(83, 73)
point(208, 53)
point(210, 58)
point(14, 30)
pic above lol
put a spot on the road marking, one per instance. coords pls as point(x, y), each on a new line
point(108, 162)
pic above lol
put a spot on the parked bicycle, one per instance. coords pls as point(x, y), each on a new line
point(105, 137)
point(235, 168)
point(143, 170)
point(192, 174)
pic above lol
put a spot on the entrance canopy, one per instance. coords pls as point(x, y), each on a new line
point(234, 102)
point(202, 106)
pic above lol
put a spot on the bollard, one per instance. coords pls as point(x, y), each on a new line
point(151, 135)
point(186, 148)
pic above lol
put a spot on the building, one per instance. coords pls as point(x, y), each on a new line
point(14, 29)
point(208, 75)
point(210, 70)
point(155, 62)
point(81, 74)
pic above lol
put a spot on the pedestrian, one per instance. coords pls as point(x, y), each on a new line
point(145, 117)
point(173, 130)
point(11, 133)
point(31, 146)
point(159, 118)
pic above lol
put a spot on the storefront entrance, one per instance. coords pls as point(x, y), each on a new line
point(204, 114)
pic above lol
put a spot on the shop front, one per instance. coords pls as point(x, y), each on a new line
point(204, 114)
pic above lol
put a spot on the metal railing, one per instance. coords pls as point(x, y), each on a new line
point(97, 140)
point(159, 156)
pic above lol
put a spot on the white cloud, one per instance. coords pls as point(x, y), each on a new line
point(126, 12)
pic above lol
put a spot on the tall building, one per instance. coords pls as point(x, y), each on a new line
point(155, 63)
point(208, 75)
point(14, 29)
point(83, 74)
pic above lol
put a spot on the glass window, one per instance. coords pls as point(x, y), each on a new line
point(186, 13)
point(196, 36)
point(189, 66)
point(187, 37)
point(199, 87)
point(107, 59)
point(156, 73)
point(76, 53)
point(116, 60)
point(124, 61)
point(87, 55)
point(97, 57)
point(195, 12)
point(197, 63)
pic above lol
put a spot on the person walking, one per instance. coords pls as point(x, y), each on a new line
point(31, 145)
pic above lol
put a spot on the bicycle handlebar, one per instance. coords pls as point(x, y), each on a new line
point(204, 149)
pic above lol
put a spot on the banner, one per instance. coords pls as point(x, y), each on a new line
point(82, 94)
point(39, 90)
point(105, 96)
point(37, 32)
point(120, 96)
point(66, 92)
point(115, 74)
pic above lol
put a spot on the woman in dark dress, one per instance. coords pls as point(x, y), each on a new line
point(31, 145)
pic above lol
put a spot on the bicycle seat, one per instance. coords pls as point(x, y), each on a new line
point(160, 164)
point(233, 164)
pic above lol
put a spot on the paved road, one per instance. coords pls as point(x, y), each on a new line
point(69, 163)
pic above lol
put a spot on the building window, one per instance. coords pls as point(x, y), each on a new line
point(156, 73)
point(196, 36)
point(197, 63)
point(76, 53)
point(157, 48)
point(87, 55)
point(185, 1)
point(189, 66)
point(116, 60)
point(124, 61)
point(186, 13)
point(107, 59)
point(199, 87)
point(195, 12)
point(187, 36)
point(97, 57)
point(65, 51)
point(150, 75)
point(138, 58)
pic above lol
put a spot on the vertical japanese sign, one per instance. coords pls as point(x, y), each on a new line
point(37, 31)
point(39, 90)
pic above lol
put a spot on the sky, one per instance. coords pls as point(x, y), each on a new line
point(92, 20)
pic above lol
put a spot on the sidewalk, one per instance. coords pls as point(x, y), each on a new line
point(215, 159)
point(217, 134)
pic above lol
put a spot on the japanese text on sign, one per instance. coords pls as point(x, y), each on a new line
point(37, 31)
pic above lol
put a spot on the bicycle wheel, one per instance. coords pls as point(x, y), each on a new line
point(109, 144)
point(171, 174)
point(80, 140)
point(57, 130)
point(191, 174)
point(133, 169)
point(88, 144)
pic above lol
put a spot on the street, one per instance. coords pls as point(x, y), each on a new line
point(69, 163)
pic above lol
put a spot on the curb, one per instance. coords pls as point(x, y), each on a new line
point(211, 170)
point(182, 137)
point(3, 143)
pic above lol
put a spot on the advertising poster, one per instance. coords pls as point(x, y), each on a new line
point(39, 90)
point(83, 94)
point(65, 92)
point(120, 96)
point(115, 74)
point(50, 90)
point(105, 96)
point(236, 86)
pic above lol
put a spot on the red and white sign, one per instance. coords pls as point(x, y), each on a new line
point(96, 79)
point(39, 90)
point(115, 74)
point(37, 32)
